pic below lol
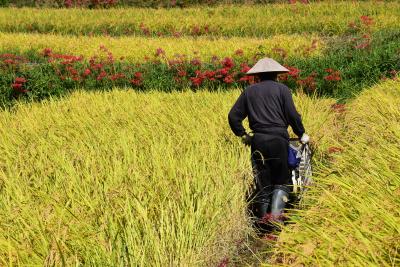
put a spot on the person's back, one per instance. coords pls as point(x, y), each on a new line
point(270, 109)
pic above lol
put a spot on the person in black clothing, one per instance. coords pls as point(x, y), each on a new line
point(270, 109)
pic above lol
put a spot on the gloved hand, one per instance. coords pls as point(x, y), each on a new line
point(304, 139)
point(246, 139)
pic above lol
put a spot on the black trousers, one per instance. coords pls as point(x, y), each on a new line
point(269, 154)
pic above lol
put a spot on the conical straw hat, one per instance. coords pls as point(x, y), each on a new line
point(267, 65)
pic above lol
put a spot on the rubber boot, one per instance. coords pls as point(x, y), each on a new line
point(280, 196)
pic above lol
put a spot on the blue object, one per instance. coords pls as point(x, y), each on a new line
point(293, 160)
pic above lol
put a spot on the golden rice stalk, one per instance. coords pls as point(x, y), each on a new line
point(135, 49)
point(354, 217)
point(126, 178)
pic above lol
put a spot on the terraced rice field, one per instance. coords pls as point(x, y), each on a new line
point(115, 147)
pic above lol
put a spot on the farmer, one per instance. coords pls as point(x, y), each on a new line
point(270, 109)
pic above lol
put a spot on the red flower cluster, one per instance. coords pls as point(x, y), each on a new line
point(138, 79)
point(293, 73)
point(334, 75)
point(366, 20)
point(11, 59)
point(308, 82)
point(228, 63)
point(18, 85)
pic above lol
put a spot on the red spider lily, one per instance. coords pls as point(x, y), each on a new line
point(9, 56)
point(138, 79)
point(72, 71)
point(182, 73)
point(229, 79)
point(136, 82)
point(102, 75)
point(47, 52)
point(334, 149)
point(86, 72)
point(9, 61)
point(245, 68)
point(196, 81)
point(18, 87)
point(195, 62)
point(366, 20)
point(228, 63)
point(246, 78)
point(209, 74)
point(308, 82)
point(239, 52)
point(159, 52)
point(293, 72)
point(117, 76)
point(138, 75)
point(223, 71)
point(20, 80)
point(334, 75)
point(97, 66)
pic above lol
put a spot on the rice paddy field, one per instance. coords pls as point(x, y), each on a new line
point(115, 147)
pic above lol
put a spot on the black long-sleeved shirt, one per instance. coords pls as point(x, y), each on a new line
point(270, 108)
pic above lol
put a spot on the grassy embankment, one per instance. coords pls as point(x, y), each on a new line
point(128, 178)
point(353, 216)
